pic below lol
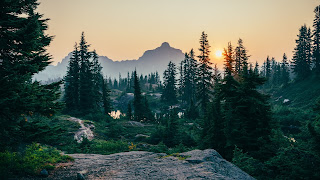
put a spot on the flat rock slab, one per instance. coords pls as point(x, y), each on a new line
point(138, 165)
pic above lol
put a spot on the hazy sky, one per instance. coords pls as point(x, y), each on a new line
point(124, 29)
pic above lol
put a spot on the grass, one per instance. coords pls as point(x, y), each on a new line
point(177, 155)
point(35, 158)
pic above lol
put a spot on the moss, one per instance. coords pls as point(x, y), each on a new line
point(177, 155)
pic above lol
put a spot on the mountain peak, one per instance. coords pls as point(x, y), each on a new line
point(165, 44)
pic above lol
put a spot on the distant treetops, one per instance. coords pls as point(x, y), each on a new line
point(306, 57)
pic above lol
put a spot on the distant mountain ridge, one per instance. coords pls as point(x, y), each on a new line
point(151, 61)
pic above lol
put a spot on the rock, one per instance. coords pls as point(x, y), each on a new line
point(44, 173)
point(141, 135)
point(84, 131)
point(196, 164)
point(286, 101)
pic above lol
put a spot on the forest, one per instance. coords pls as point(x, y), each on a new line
point(264, 118)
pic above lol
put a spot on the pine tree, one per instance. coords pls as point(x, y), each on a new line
point(285, 74)
point(129, 111)
point(147, 112)
point(213, 135)
point(249, 121)
point(86, 93)
point(204, 76)
point(316, 40)
point(241, 57)
point(244, 111)
point(229, 60)
point(183, 78)
point(275, 79)
point(107, 107)
point(263, 69)
point(190, 69)
point(169, 83)
point(256, 68)
point(137, 101)
point(227, 92)
point(97, 79)
point(71, 86)
point(193, 71)
point(302, 54)
point(192, 111)
point(23, 45)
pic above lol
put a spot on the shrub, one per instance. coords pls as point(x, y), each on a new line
point(160, 148)
point(35, 158)
point(247, 163)
point(98, 117)
point(108, 147)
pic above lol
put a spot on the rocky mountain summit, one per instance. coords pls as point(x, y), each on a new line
point(196, 164)
point(151, 61)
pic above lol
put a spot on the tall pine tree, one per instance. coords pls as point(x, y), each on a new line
point(285, 73)
point(71, 85)
point(169, 94)
point(316, 40)
point(86, 94)
point(23, 53)
point(137, 101)
point(107, 107)
point(204, 76)
point(97, 79)
point(302, 53)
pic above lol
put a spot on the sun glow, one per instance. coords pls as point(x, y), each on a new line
point(218, 53)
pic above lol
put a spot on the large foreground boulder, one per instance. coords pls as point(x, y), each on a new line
point(196, 164)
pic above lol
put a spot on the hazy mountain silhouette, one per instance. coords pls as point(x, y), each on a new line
point(151, 61)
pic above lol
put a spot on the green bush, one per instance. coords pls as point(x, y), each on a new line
point(160, 148)
point(247, 163)
point(108, 147)
point(293, 162)
point(35, 158)
point(97, 117)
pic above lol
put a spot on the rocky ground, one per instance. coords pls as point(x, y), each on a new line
point(84, 130)
point(138, 165)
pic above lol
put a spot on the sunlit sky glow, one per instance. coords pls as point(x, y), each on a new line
point(124, 29)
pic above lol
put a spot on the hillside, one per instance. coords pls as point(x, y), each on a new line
point(301, 94)
point(151, 61)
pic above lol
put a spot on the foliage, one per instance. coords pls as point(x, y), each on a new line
point(188, 78)
point(171, 132)
point(316, 40)
point(204, 76)
point(85, 89)
point(169, 84)
point(104, 147)
point(292, 162)
point(35, 158)
point(23, 45)
point(247, 163)
point(302, 54)
point(137, 101)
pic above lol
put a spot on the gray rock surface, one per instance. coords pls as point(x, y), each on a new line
point(84, 131)
point(138, 165)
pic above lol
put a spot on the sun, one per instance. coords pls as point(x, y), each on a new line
point(218, 53)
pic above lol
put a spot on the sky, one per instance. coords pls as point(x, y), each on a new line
point(125, 29)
